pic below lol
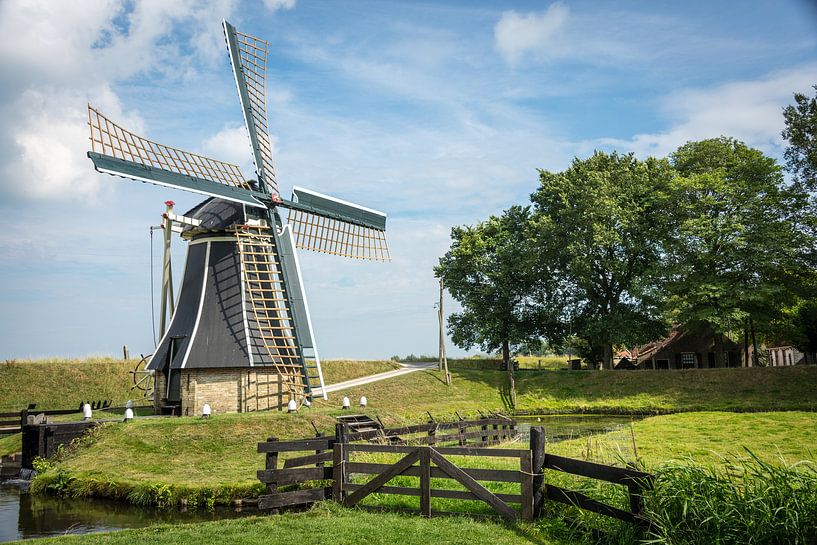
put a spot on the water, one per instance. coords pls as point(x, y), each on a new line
point(562, 427)
point(23, 516)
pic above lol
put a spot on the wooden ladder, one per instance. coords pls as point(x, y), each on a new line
point(266, 298)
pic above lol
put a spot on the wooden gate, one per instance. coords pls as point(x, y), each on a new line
point(433, 462)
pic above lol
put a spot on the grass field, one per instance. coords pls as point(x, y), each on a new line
point(325, 524)
point(753, 389)
point(709, 438)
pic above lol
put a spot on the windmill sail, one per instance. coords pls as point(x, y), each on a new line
point(120, 152)
point(248, 57)
point(333, 226)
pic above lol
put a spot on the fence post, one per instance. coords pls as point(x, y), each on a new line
point(271, 462)
point(338, 471)
point(526, 484)
point(537, 447)
point(484, 437)
point(425, 481)
point(432, 433)
point(319, 434)
point(461, 430)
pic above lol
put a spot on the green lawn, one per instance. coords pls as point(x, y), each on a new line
point(325, 524)
point(709, 437)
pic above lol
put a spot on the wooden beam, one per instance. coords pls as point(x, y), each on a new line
point(372, 486)
point(473, 486)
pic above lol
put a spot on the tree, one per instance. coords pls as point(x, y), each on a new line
point(599, 228)
point(735, 256)
point(801, 133)
point(805, 325)
point(489, 271)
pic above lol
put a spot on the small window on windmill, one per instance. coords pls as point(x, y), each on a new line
point(688, 359)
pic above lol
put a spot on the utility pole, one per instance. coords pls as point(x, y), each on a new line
point(167, 271)
point(443, 367)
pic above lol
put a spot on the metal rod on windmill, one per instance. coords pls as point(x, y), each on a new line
point(242, 303)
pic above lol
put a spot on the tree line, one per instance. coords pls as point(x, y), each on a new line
point(614, 249)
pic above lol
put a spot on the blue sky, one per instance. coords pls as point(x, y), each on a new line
point(438, 113)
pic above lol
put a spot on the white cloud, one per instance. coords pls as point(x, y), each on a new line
point(232, 145)
point(275, 5)
point(747, 110)
point(516, 34)
point(57, 56)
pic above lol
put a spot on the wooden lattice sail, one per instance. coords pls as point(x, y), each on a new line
point(244, 283)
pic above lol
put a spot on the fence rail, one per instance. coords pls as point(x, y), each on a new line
point(328, 460)
point(483, 432)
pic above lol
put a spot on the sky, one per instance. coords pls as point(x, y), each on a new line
point(437, 113)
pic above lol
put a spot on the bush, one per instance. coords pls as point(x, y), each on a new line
point(744, 501)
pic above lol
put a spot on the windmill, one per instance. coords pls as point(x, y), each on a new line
point(241, 333)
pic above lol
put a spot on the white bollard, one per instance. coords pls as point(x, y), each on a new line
point(206, 411)
point(363, 402)
point(128, 414)
point(346, 403)
point(292, 406)
point(86, 412)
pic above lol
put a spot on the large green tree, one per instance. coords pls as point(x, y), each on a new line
point(736, 256)
point(491, 272)
point(801, 133)
point(600, 228)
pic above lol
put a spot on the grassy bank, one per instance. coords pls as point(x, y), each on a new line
point(754, 389)
point(9, 444)
point(65, 383)
point(335, 371)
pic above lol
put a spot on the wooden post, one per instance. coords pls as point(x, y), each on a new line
point(537, 447)
point(271, 462)
point(319, 464)
point(484, 437)
point(342, 436)
point(495, 437)
point(425, 481)
point(636, 500)
point(461, 431)
point(125, 352)
point(526, 484)
point(280, 392)
point(338, 471)
point(432, 433)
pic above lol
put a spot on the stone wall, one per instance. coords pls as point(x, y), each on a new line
point(225, 390)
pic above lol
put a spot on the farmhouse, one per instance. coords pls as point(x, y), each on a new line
point(687, 348)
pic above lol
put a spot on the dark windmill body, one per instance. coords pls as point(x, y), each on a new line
point(241, 337)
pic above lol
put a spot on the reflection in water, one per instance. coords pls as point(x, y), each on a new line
point(560, 427)
point(25, 516)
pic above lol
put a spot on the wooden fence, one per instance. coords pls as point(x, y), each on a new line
point(428, 461)
point(20, 418)
point(483, 432)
